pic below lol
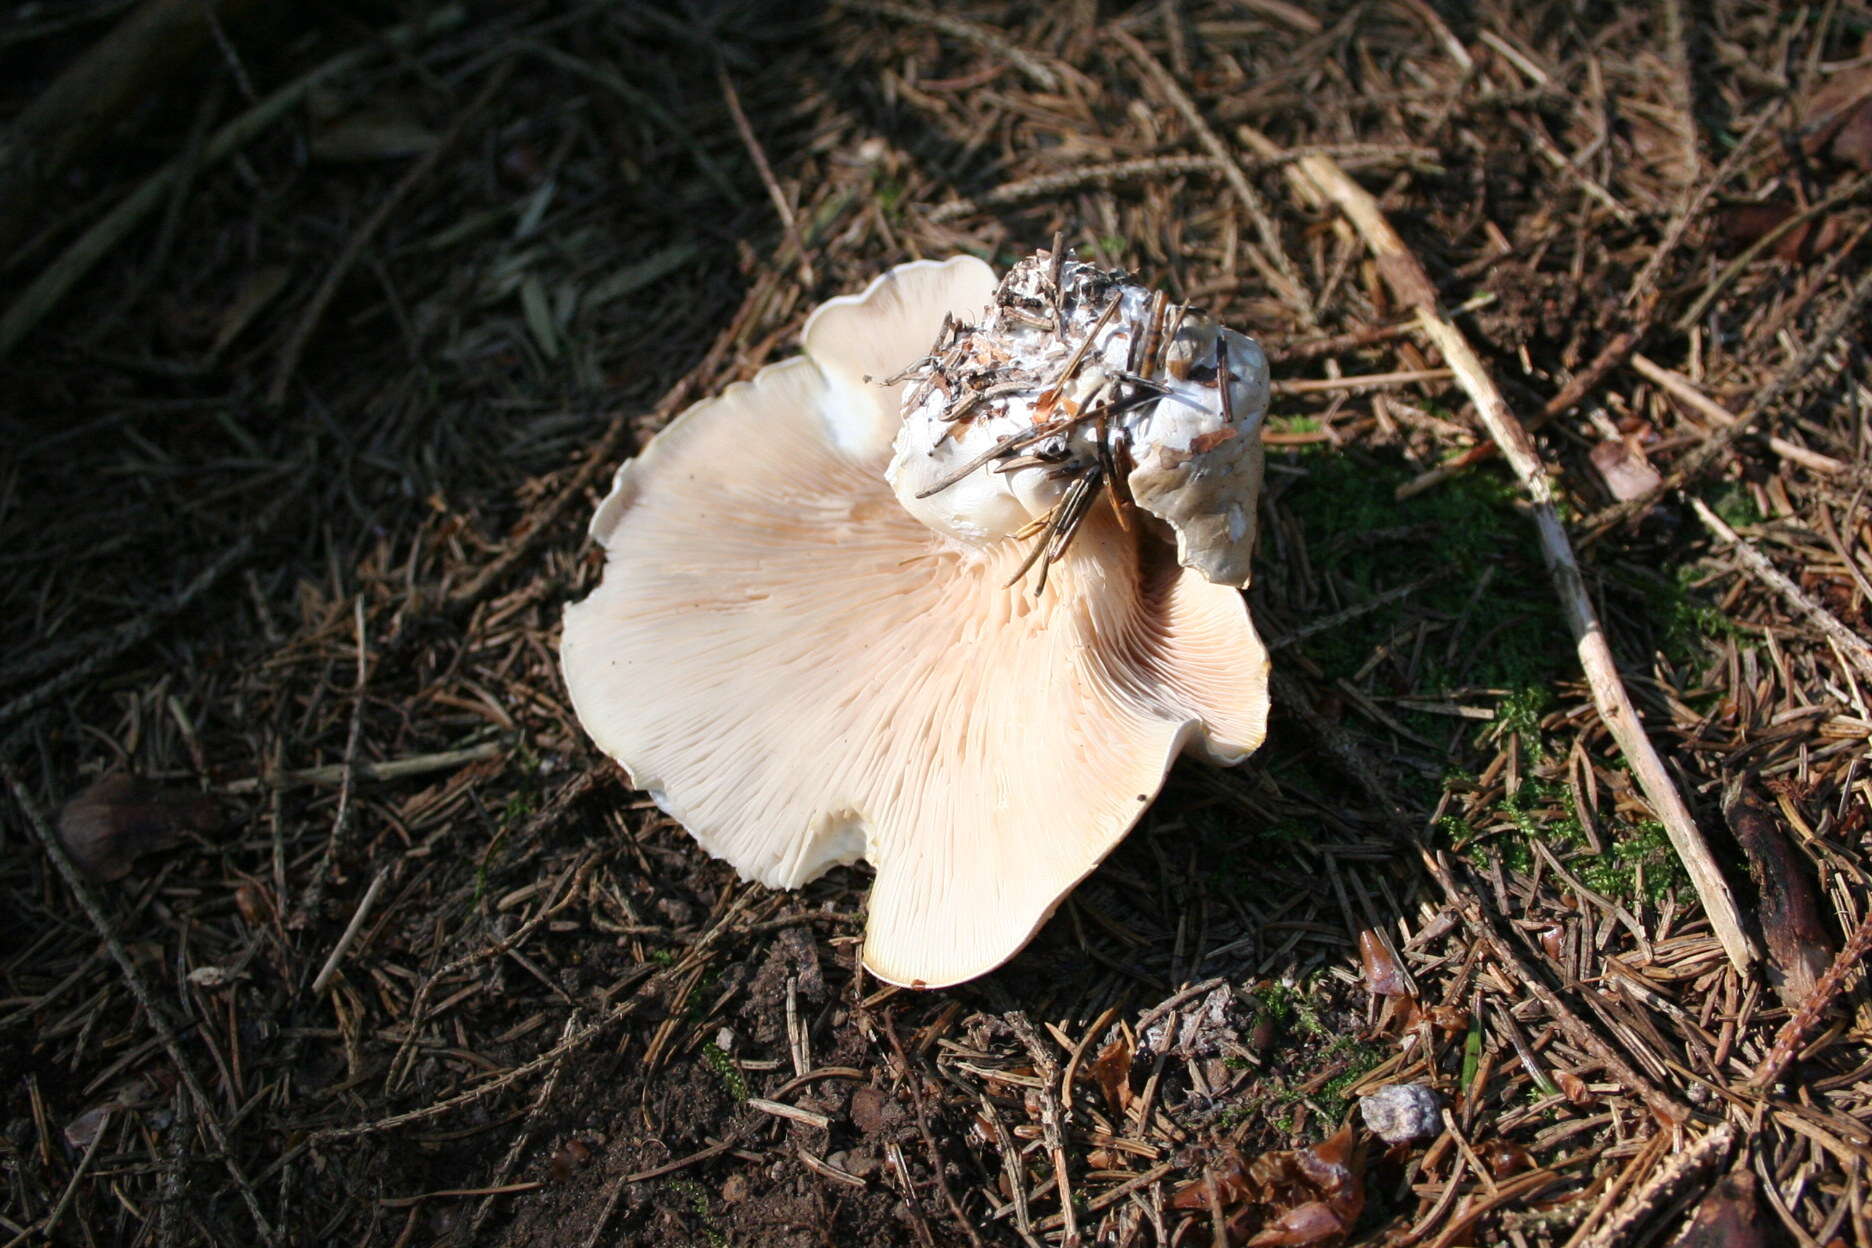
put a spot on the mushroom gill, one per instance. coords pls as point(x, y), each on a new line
point(804, 673)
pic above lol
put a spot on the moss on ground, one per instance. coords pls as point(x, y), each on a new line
point(1463, 528)
point(1514, 641)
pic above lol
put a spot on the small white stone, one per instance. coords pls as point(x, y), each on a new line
point(1402, 1111)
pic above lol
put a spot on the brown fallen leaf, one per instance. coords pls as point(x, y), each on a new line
point(1111, 1070)
point(1383, 976)
point(119, 818)
point(1622, 464)
point(1839, 119)
point(1743, 224)
point(1728, 1217)
point(1284, 1197)
point(1799, 947)
point(1312, 1223)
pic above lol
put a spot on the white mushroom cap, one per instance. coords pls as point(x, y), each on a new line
point(804, 674)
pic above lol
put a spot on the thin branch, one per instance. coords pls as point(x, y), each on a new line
point(153, 1009)
point(748, 140)
point(1284, 278)
point(395, 769)
point(1850, 643)
point(1578, 1030)
point(1793, 1033)
point(1408, 281)
point(351, 931)
point(1845, 318)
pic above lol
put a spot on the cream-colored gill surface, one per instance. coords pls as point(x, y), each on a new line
point(860, 340)
point(801, 673)
point(1214, 661)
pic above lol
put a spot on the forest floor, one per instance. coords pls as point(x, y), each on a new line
point(323, 921)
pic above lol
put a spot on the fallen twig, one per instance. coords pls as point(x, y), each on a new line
point(395, 769)
point(1793, 1033)
point(752, 142)
point(1685, 391)
point(1683, 1167)
point(133, 633)
point(351, 931)
point(1583, 383)
point(1850, 643)
point(1667, 1108)
point(153, 1009)
point(915, 1084)
point(1283, 277)
point(1845, 317)
point(1841, 194)
point(1411, 285)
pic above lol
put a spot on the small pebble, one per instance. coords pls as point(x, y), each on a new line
point(1399, 1112)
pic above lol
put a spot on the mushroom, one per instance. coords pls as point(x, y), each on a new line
point(884, 602)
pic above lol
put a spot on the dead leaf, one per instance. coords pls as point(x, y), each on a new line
point(1573, 1087)
point(120, 818)
point(1741, 225)
point(1728, 1217)
point(83, 1129)
point(1799, 948)
point(1383, 976)
point(1111, 1070)
point(1298, 1197)
point(1839, 125)
point(1315, 1222)
point(1627, 473)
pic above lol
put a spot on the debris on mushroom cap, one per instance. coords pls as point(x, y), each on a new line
point(1078, 381)
point(803, 673)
